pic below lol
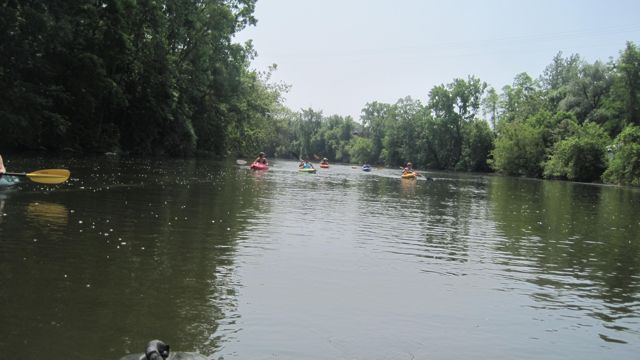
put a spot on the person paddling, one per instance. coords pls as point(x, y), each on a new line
point(307, 165)
point(407, 169)
point(262, 159)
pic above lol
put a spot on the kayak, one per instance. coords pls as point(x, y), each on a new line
point(7, 180)
point(366, 168)
point(411, 175)
point(307, 170)
point(324, 166)
point(259, 166)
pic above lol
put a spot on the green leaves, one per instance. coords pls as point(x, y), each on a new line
point(624, 166)
point(580, 157)
point(519, 150)
point(139, 76)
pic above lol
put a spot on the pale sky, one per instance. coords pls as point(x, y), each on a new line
point(339, 55)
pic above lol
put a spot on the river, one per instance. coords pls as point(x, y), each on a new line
point(212, 257)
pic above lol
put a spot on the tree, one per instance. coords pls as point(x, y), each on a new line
point(476, 147)
point(138, 76)
point(375, 119)
point(522, 99)
point(451, 106)
point(586, 91)
point(360, 150)
point(629, 70)
point(557, 76)
point(403, 129)
point(490, 106)
point(624, 167)
point(519, 150)
point(580, 157)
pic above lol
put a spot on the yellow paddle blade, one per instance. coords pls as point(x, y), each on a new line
point(49, 176)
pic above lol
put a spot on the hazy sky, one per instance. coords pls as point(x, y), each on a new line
point(339, 55)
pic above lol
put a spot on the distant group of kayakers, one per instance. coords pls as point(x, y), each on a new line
point(261, 163)
point(262, 160)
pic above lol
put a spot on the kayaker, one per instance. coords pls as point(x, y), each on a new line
point(2, 168)
point(307, 165)
point(407, 168)
point(324, 161)
point(261, 159)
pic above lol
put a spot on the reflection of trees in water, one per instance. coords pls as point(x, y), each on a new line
point(441, 211)
point(447, 220)
point(576, 236)
point(618, 216)
point(48, 214)
point(132, 264)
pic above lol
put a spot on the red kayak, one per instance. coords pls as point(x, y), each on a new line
point(324, 165)
point(259, 166)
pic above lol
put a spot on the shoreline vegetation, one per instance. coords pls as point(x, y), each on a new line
point(166, 78)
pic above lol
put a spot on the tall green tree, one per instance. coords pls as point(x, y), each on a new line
point(580, 157)
point(587, 90)
point(490, 106)
point(375, 119)
point(476, 146)
point(519, 150)
point(557, 76)
point(521, 99)
point(624, 166)
point(629, 72)
point(452, 106)
point(402, 132)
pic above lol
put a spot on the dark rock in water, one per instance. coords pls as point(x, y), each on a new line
point(159, 350)
point(174, 355)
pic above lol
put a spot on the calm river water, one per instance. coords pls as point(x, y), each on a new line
point(214, 258)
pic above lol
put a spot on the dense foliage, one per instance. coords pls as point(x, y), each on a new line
point(625, 164)
point(140, 76)
point(580, 157)
point(573, 109)
point(166, 77)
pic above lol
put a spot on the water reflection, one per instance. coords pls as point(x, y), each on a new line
point(577, 243)
point(48, 214)
point(123, 257)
